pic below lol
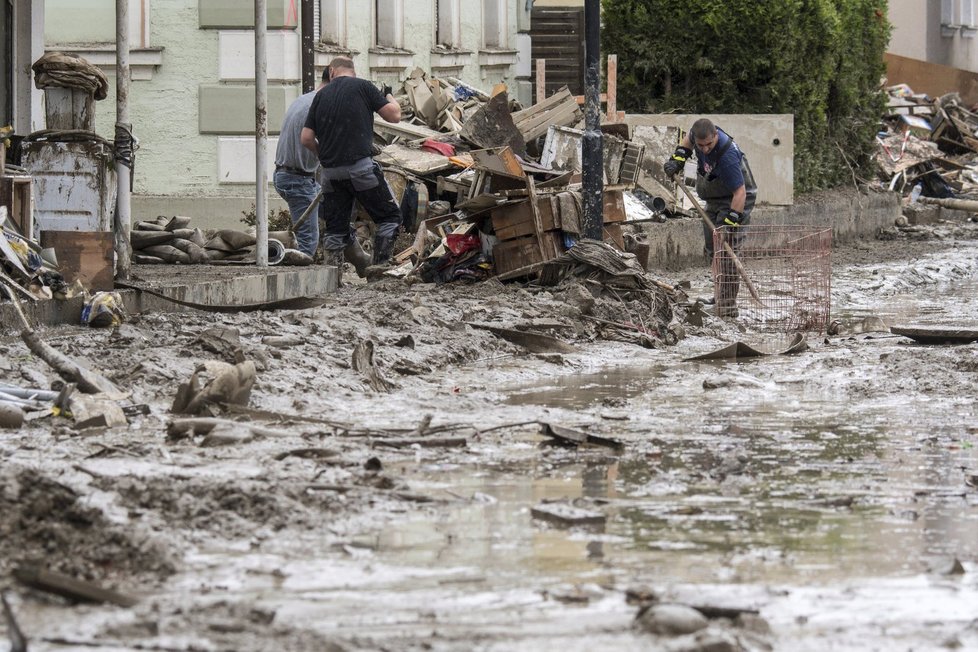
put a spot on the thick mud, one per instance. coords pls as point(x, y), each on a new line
point(824, 500)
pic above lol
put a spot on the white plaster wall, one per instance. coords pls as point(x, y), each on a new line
point(909, 36)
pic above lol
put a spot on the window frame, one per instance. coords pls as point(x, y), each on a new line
point(396, 13)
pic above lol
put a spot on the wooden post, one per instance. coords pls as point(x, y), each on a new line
point(541, 80)
point(612, 102)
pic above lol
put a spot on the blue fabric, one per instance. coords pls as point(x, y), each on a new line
point(298, 192)
point(725, 168)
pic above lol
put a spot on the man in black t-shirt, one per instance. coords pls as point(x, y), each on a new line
point(340, 128)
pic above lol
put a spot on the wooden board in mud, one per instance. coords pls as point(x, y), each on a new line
point(937, 334)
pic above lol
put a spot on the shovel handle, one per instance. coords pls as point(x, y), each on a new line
point(726, 246)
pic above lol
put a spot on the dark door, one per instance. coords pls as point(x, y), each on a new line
point(6, 62)
point(557, 35)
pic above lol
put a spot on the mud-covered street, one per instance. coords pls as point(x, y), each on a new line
point(822, 500)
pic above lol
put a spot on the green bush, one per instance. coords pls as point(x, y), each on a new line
point(821, 60)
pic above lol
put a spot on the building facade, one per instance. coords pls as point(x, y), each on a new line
point(192, 100)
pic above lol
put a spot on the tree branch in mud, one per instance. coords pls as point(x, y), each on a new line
point(363, 361)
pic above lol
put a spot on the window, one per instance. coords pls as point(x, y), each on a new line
point(93, 21)
point(947, 13)
point(389, 22)
point(494, 24)
point(968, 13)
point(332, 21)
point(448, 31)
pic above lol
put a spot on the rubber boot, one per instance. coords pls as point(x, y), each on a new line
point(335, 258)
point(382, 257)
point(355, 254)
point(382, 250)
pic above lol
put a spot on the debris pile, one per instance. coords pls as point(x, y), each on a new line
point(506, 180)
point(928, 146)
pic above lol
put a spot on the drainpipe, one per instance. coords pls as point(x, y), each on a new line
point(261, 134)
point(591, 145)
point(308, 64)
point(123, 143)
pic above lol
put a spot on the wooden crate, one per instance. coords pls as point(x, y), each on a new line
point(510, 255)
point(88, 256)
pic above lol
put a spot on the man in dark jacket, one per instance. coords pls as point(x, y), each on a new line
point(725, 182)
point(339, 128)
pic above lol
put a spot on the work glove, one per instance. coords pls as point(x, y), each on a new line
point(386, 90)
point(729, 217)
point(677, 161)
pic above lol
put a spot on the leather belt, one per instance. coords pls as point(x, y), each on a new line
point(296, 171)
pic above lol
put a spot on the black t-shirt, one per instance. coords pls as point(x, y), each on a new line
point(342, 115)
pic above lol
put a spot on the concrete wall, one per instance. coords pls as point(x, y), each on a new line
point(852, 215)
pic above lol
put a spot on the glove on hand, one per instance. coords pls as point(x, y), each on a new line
point(386, 90)
point(677, 162)
point(729, 217)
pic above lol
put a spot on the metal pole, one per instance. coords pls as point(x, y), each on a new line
point(261, 134)
point(123, 143)
point(308, 64)
point(591, 145)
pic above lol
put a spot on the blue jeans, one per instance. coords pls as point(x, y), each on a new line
point(298, 192)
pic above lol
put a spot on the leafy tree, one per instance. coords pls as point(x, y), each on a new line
point(821, 60)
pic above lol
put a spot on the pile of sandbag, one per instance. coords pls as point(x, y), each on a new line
point(171, 240)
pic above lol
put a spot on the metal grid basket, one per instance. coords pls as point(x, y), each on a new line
point(779, 278)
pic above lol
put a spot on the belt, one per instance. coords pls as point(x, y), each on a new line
point(296, 171)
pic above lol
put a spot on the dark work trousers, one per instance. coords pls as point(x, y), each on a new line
point(363, 182)
point(726, 282)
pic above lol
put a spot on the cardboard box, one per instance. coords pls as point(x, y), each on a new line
point(88, 256)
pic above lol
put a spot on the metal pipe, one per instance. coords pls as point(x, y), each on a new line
point(308, 55)
point(124, 145)
point(591, 143)
point(955, 204)
point(261, 134)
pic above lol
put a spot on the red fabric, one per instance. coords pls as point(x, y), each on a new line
point(444, 149)
point(459, 243)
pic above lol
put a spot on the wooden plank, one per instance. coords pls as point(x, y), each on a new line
point(538, 220)
point(541, 80)
point(69, 587)
point(500, 161)
point(613, 206)
point(403, 130)
point(516, 220)
point(612, 86)
point(567, 515)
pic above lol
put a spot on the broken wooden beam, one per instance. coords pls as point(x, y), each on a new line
point(567, 515)
point(69, 587)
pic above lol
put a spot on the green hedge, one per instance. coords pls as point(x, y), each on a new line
point(821, 60)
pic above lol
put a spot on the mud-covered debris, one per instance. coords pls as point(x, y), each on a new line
point(87, 380)
point(18, 643)
point(95, 411)
point(531, 341)
point(574, 437)
point(222, 340)
point(671, 620)
point(70, 587)
point(11, 416)
point(363, 361)
point(567, 515)
point(946, 566)
point(215, 383)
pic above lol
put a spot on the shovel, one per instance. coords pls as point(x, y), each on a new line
point(307, 212)
point(726, 247)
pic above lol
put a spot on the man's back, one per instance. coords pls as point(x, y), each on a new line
point(290, 153)
point(342, 117)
